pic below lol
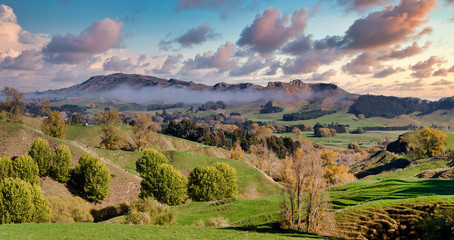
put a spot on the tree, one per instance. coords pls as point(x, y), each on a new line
point(431, 142)
point(353, 146)
point(303, 175)
point(76, 119)
point(40, 152)
point(62, 163)
point(297, 133)
point(26, 168)
point(263, 158)
point(160, 180)
point(211, 183)
point(22, 202)
point(143, 130)
point(6, 168)
point(12, 104)
point(92, 177)
point(236, 153)
point(54, 125)
point(111, 136)
point(45, 107)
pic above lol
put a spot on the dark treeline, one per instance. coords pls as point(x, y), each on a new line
point(313, 114)
point(269, 108)
point(37, 110)
point(336, 126)
point(153, 107)
point(212, 105)
point(189, 130)
point(396, 128)
point(390, 107)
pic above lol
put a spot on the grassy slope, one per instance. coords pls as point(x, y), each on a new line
point(103, 231)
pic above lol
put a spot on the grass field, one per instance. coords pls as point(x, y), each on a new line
point(104, 231)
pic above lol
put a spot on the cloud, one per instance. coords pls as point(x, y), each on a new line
point(28, 60)
point(169, 64)
point(98, 38)
point(387, 72)
point(226, 6)
point(117, 64)
point(13, 38)
point(424, 69)
point(269, 32)
point(451, 69)
point(443, 82)
point(365, 63)
point(443, 72)
point(193, 36)
point(324, 76)
point(273, 67)
point(221, 59)
point(299, 46)
point(250, 66)
point(412, 50)
point(310, 61)
point(361, 5)
point(389, 26)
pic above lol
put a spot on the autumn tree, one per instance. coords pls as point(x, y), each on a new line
point(45, 107)
point(431, 142)
point(12, 104)
point(111, 134)
point(40, 152)
point(236, 152)
point(264, 159)
point(303, 174)
point(54, 125)
point(297, 133)
point(263, 131)
point(143, 130)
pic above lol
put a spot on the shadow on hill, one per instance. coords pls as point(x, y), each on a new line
point(280, 232)
point(394, 164)
point(429, 187)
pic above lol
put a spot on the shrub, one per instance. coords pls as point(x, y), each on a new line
point(6, 168)
point(353, 146)
point(217, 222)
point(22, 202)
point(149, 160)
point(165, 184)
point(25, 168)
point(92, 177)
point(438, 226)
point(40, 152)
point(62, 163)
point(212, 183)
point(148, 211)
point(69, 209)
point(54, 125)
point(42, 211)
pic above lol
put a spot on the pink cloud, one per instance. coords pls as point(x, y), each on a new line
point(221, 59)
point(169, 64)
point(424, 69)
point(269, 32)
point(98, 38)
point(193, 36)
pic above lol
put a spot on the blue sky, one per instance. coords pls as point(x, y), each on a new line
point(390, 47)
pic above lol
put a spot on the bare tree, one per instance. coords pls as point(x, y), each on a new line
point(143, 130)
point(12, 104)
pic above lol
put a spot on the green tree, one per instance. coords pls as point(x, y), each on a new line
point(229, 181)
point(54, 125)
point(41, 210)
point(6, 168)
point(62, 163)
point(210, 183)
point(25, 168)
point(76, 119)
point(40, 152)
point(92, 177)
point(16, 201)
point(12, 104)
point(160, 180)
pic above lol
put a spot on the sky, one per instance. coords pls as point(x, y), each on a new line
point(385, 47)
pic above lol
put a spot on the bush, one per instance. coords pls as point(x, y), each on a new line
point(92, 177)
point(212, 183)
point(149, 160)
point(6, 168)
point(69, 209)
point(147, 211)
point(165, 184)
point(438, 226)
point(40, 152)
point(22, 202)
point(25, 168)
point(62, 163)
point(353, 146)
